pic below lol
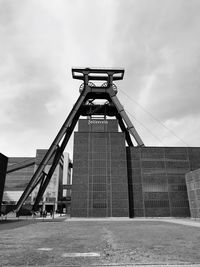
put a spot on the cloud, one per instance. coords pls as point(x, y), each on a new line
point(40, 42)
point(158, 44)
point(160, 38)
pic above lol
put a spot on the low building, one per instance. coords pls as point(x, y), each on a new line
point(110, 179)
point(53, 192)
point(193, 189)
point(3, 168)
point(17, 181)
point(67, 183)
point(156, 175)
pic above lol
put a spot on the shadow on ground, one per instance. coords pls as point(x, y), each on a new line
point(9, 224)
point(15, 223)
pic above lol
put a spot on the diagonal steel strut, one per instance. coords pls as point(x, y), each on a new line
point(65, 129)
point(126, 119)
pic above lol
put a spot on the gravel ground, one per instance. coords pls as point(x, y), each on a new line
point(118, 243)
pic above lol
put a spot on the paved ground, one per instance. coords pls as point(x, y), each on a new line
point(183, 221)
point(107, 242)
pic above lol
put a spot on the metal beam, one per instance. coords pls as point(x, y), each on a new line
point(123, 128)
point(89, 91)
point(20, 165)
point(64, 129)
point(126, 119)
point(55, 162)
point(97, 74)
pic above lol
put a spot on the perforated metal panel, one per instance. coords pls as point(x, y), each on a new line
point(100, 171)
point(193, 189)
point(157, 180)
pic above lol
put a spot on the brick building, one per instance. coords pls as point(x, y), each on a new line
point(3, 168)
point(99, 185)
point(157, 180)
point(17, 181)
point(193, 189)
point(110, 179)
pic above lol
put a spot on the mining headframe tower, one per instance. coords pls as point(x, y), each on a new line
point(114, 173)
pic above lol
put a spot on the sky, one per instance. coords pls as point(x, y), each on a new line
point(157, 42)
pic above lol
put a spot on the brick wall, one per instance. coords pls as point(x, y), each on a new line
point(193, 189)
point(99, 184)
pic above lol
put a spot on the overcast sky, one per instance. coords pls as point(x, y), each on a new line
point(157, 42)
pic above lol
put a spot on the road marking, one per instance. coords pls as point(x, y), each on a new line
point(86, 254)
point(45, 249)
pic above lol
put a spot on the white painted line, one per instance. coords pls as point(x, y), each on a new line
point(45, 249)
point(86, 254)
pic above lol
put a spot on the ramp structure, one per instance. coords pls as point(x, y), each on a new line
point(84, 106)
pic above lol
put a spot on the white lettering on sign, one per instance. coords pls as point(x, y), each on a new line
point(97, 122)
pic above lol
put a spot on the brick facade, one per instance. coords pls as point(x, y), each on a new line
point(99, 185)
point(193, 189)
point(156, 178)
